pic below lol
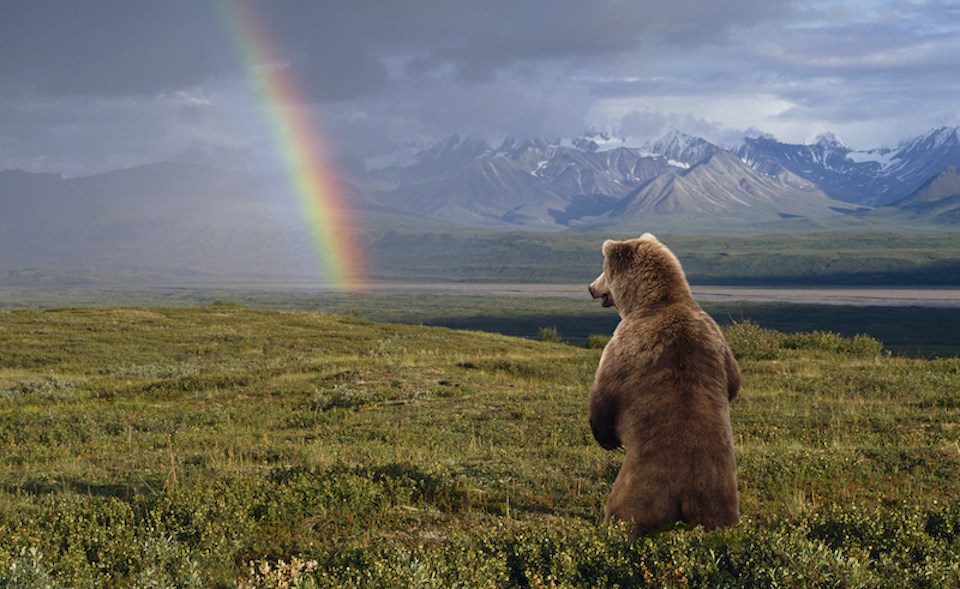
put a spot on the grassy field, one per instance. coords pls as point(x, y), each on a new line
point(866, 257)
point(222, 446)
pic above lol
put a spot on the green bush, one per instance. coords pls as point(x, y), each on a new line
point(342, 395)
point(28, 571)
point(597, 342)
point(749, 341)
point(858, 346)
point(822, 550)
point(548, 334)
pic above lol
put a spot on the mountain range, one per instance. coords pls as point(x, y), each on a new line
point(876, 177)
point(678, 179)
point(203, 219)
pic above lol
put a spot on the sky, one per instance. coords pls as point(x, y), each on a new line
point(88, 86)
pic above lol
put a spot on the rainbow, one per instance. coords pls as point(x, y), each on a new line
point(325, 210)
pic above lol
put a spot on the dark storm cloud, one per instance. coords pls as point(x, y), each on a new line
point(119, 48)
point(103, 48)
point(337, 49)
point(92, 83)
point(479, 39)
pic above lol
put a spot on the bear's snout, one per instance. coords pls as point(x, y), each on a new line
point(598, 290)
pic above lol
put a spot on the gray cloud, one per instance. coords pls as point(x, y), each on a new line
point(104, 48)
point(87, 85)
point(117, 47)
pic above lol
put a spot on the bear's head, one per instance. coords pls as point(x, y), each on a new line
point(639, 273)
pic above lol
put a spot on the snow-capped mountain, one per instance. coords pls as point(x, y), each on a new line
point(875, 177)
point(682, 150)
point(827, 163)
point(540, 183)
point(191, 219)
point(551, 184)
point(594, 179)
point(915, 162)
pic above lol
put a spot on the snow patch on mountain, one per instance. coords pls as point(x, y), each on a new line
point(883, 156)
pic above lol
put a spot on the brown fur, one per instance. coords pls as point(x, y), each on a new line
point(662, 392)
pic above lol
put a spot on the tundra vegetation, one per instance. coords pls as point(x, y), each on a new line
point(223, 446)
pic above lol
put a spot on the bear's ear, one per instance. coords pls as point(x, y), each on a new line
point(649, 237)
point(618, 254)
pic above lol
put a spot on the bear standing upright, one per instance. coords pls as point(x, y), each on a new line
point(662, 392)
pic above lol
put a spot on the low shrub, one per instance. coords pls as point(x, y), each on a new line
point(821, 550)
point(548, 334)
point(597, 342)
point(858, 346)
point(749, 341)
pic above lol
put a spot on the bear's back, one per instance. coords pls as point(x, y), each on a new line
point(676, 383)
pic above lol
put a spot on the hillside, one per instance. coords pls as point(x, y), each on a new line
point(177, 446)
point(175, 217)
point(938, 200)
point(169, 221)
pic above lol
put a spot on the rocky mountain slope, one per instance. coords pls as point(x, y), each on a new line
point(937, 200)
point(723, 187)
point(874, 177)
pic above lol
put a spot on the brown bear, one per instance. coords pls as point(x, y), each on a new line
point(662, 392)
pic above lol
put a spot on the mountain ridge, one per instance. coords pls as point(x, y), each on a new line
point(581, 183)
point(201, 220)
point(557, 184)
point(875, 177)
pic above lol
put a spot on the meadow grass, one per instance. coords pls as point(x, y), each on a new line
point(222, 446)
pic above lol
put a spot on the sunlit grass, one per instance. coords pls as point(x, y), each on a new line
point(180, 445)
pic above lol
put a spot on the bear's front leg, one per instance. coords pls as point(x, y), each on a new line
point(605, 398)
point(733, 374)
point(604, 407)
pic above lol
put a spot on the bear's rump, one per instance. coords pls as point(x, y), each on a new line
point(654, 490)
